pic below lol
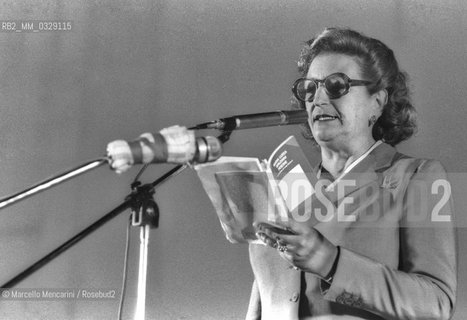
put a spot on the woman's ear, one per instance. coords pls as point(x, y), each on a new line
point(381, 100)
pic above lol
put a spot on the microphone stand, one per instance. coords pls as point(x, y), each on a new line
point(145, 214)
point(137, 196)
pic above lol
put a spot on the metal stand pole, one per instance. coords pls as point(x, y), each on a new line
point(145, 215)
point(140, 312)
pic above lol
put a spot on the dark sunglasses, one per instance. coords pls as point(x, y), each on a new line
point(336, 85)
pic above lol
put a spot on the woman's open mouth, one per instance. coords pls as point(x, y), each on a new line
point(324, 117)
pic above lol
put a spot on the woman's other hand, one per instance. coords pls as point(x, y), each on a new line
point(302, 246)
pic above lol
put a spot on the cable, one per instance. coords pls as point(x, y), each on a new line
point(140, 172)
point(125, 269)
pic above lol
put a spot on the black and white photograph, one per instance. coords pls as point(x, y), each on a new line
point(233, 159)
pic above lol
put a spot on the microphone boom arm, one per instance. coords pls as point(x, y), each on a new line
point(50, 182)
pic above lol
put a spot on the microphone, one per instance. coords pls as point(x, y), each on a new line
point(257, 120)
point(175, 144)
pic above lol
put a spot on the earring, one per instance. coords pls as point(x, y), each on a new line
point(372, 120)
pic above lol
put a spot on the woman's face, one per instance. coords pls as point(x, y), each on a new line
point(348, 116)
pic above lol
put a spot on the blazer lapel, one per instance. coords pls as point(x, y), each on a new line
point(327, 206)
point(363, 174)
point(351, 192)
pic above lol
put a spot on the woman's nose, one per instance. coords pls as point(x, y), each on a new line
point(321, 96)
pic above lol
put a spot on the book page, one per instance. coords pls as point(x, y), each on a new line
point(241, 194)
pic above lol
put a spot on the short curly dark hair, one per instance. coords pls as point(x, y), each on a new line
point(377, 64)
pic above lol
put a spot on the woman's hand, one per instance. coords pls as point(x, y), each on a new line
point(301, 245)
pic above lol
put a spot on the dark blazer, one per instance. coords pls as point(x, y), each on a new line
point(397, 258)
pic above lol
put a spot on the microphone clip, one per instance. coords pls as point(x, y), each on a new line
point(144, 209)
point(216, 124)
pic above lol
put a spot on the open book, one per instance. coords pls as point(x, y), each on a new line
point(244, 190)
